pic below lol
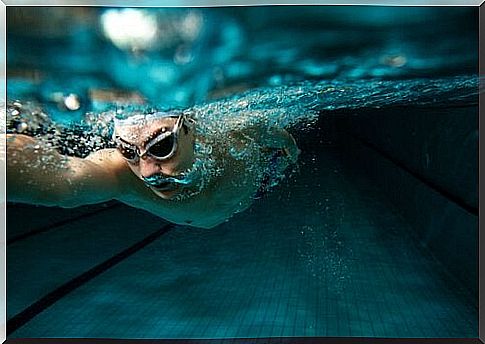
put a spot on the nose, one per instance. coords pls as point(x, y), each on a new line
point(148, 168)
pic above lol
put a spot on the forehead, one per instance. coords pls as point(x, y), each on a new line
point(143, 128)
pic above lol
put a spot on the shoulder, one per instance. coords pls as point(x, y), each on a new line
point(109, 159)
point(107, 164)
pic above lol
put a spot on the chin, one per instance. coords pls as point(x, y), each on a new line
point(169, 194)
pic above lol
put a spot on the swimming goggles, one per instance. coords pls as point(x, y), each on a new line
point(162, 147)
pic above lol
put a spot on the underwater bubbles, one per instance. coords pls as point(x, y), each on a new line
point(325, 255)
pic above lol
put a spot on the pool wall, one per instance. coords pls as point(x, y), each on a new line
point(425, 160)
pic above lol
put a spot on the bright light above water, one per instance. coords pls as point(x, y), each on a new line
point(130, 28)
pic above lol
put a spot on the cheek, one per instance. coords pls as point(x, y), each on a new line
point(151, 166)
point(185, 158)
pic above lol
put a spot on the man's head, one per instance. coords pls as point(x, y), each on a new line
point(158, 148)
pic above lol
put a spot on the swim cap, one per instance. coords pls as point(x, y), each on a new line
point(140, 119)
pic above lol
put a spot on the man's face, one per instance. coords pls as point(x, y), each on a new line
point(146, 131)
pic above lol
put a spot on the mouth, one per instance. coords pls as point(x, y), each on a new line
point(164, 186)
point(161, 182)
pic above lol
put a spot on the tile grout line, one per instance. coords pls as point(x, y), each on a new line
point(47, 228)
point(449, 196)
point(48, 300)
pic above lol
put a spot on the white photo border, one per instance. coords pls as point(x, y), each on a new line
point(220, 3)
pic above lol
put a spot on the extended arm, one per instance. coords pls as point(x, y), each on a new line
point(38, 174)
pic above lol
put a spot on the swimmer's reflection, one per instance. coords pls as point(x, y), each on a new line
point(161, 164)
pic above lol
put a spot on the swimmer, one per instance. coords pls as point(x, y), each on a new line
point(163, 163)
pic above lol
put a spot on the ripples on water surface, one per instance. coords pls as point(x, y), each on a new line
point(338, 58)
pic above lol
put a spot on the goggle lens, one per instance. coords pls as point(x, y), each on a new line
point(162, 148)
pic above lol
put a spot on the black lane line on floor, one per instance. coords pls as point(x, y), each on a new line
point(55, 225)
point(443, 192)
point(270, 340)
point(48, 300)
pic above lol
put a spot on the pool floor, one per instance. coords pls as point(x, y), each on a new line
point(320, 256)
